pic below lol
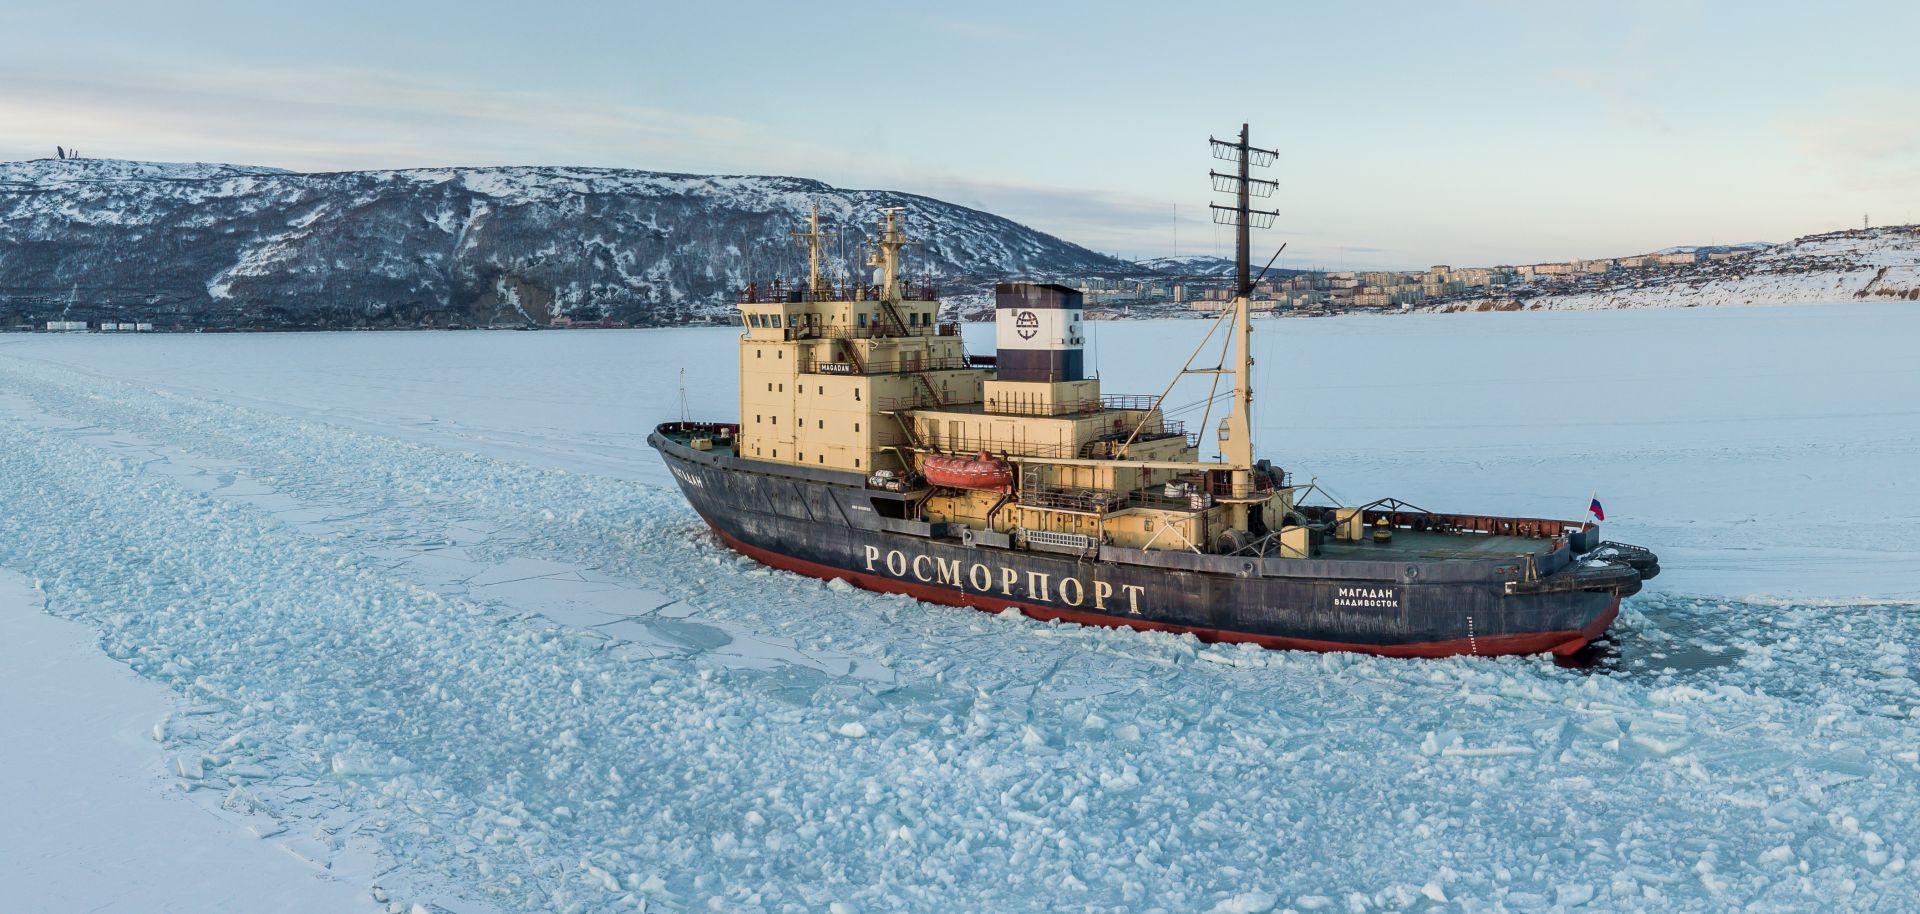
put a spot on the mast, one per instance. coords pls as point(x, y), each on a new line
point(813, 239)
point(1236, 438)
point(886, 253)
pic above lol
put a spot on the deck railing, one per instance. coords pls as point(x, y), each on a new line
point(898, 366)
point(1524, 527)
point(941, 440)
point(778, 293)
point(1086, 407)
point(874, 331)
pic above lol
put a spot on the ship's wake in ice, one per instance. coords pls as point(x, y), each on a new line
point(493, 686)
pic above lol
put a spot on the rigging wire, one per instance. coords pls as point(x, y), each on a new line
point(1093, 336)
point(1190, 407)
point(1206, 417)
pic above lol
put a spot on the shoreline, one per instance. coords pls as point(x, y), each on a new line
point(94, 821)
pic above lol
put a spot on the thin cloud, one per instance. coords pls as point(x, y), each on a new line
point(1871, 152)
point(345, 119)
point(1625, 95)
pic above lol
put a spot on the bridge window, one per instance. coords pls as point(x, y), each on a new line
point(856, 463)
point(856, 426)
point(856, 393)
point(822, 423)
point(822, 390)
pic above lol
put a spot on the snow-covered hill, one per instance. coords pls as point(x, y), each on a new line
point(1859, 263)
point(1716, 248)
point(200, 245)
point(1191, 265)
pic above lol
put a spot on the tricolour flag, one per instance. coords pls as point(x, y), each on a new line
point(1598, 514)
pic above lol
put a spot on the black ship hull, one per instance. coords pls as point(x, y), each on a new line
point(828, 524)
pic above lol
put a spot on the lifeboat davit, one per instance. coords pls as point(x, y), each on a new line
point(981, 472)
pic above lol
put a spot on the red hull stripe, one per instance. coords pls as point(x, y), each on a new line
point(1558, 642)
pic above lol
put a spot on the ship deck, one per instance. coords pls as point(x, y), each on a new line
point(720, 447)
point(1428, 546)
point(1407, 546)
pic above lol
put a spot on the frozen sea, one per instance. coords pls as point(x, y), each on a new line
point(421, 616)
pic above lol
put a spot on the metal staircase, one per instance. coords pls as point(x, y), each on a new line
point(933, 393)
point(894, 316)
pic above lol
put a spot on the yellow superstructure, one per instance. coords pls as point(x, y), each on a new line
point(869, 379)
point(823, 367)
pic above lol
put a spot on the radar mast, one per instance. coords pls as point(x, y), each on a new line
point(886, 253)
point(1236, 433)
point(813, 238)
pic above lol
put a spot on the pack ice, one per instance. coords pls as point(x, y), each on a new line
point(455, 663)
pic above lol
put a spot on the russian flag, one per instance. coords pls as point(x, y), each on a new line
point(1598, 513)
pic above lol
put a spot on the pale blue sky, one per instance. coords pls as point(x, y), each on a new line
point(1410, 133)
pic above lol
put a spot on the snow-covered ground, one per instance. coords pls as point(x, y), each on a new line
point(433, 616)
point(1881, 262)
point(93, 820)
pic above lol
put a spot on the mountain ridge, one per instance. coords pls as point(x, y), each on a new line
point(208, 245)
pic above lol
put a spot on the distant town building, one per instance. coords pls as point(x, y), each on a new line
point(1216, 304)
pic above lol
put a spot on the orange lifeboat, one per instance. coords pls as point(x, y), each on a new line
point(981, 472)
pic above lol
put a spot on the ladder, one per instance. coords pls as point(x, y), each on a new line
point(933, 393)
point(893, 315)
point(905, 419)
point(853, 355)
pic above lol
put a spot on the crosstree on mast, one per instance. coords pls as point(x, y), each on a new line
point(1242, 216)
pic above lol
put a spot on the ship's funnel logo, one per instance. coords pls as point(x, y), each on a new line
point(1027, 324)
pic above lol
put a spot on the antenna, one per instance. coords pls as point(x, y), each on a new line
point(1270, 260)
point(683, 396)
